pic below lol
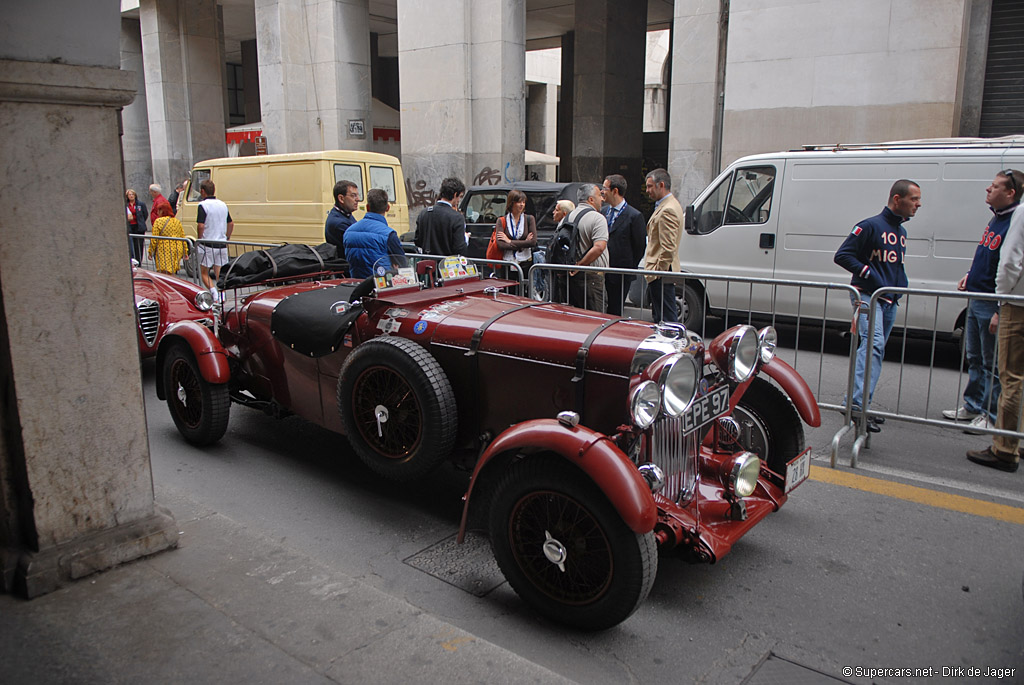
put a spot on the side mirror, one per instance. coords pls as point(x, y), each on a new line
point(688, 223)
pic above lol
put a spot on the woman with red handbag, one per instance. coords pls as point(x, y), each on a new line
point(515, 234)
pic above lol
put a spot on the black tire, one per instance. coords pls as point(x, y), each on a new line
point(607, 569)
point(199, 409)
point(419, 419)
point(776, 431)
point(690, 302)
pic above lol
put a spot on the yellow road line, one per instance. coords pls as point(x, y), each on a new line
point(912, 493)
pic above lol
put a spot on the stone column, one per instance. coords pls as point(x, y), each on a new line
point(608, 92)
point(138, 162)
point(314, 66)
point(695, 95)
point(76, 490)
point(542, 114)
point(184, 85)
point(462, 70)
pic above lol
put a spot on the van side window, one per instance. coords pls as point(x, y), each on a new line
point(198, 176)
point(350, 172)
point(383, 177)
point(743, 198)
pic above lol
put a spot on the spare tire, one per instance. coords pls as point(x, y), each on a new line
point(397, 407)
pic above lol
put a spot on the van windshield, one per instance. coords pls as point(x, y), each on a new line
point(745, 197)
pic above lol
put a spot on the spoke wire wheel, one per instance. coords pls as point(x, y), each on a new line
point(565, 549)
point(777, 433)
point(381, 389)
point(574, 564)
point(184, 395)
point(200, 409)
point(397, 407)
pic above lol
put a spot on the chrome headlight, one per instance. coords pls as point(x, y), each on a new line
point(767, 340)
point(644, 404)
point(743, 470)
point(678, 381)
point(204, 301)
point(743, 354)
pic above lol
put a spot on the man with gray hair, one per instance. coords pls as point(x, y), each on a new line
point(662, 245)
point(156, 192)
point(586, 290)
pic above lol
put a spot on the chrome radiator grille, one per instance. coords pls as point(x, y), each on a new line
point(149, 319)
point(676, 455)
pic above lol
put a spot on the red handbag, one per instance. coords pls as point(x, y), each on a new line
point(493, 251)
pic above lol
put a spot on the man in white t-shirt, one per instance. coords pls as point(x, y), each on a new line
point(213, 223)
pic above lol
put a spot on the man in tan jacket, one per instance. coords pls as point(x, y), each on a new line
point(662, 245)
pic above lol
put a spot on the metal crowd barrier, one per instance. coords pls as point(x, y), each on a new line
point(741, 305)
point(488, 267)
point(147, 241)
point(917, 377)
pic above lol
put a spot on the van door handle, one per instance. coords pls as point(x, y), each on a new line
point(767, 241)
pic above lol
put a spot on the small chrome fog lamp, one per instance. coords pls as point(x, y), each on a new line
point(204, 301)
point(644, 404)
point(741, 473)
point(767, 340)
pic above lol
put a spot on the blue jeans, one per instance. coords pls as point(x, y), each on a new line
point(663, 300)
point(884, 319)
point(982, 392)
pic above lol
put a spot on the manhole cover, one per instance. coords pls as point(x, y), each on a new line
point(469, 566)
point(778, 671)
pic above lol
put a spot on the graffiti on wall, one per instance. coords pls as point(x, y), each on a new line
point(420, 196)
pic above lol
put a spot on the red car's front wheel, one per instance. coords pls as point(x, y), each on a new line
point(199, 409)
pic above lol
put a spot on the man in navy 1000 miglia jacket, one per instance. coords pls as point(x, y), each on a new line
point(874, 253)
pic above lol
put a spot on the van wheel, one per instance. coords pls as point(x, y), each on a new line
point(691, 308)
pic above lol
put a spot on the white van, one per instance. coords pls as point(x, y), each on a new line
point(783, 215)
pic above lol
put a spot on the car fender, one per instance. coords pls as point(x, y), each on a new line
point(595, 455)
point(796, 387)
point(209, 353)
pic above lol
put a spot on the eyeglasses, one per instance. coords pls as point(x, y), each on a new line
point(1008, 173)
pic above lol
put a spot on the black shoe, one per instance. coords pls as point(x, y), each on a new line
point(879, 420)
point(872, 424)
point(987, 457)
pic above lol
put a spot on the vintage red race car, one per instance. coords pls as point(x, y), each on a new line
point(161, 300)
point(594, 442)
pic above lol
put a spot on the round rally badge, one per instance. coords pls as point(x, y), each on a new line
point(381, 270)
point(419, 327)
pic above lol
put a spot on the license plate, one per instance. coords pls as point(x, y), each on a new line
point(706, 409)
point(798, 470)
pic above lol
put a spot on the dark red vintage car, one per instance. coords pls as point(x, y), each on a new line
point(161, 300)
point(594, 442)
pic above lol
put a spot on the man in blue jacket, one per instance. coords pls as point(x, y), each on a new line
point(981, 395)
point(370, 240)
point(874, 253)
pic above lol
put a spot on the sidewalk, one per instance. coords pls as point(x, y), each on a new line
point(230, 606)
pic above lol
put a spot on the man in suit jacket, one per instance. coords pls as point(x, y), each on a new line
point(441, 229)
point(662, 245)
point(627, 240)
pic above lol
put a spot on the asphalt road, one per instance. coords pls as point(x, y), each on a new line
point(913, 560)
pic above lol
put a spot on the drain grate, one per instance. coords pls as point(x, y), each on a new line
point(778, 671)
point(469, 566)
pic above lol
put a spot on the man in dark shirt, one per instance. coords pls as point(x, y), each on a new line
point(873, 252)
point(346, 201)
point(627, 240)
point(441, 229)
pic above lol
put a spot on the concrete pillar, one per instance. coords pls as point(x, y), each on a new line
point(76, 489)
point(251, 81)
point(565, 108)
point(608, 93)
point(184, 84)
point(138, 162)
point(462, 69)
point(314, 65)
point(541, 116)
point(695, 97)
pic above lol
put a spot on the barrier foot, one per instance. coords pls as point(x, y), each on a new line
point(859, 443)
point(835, 443)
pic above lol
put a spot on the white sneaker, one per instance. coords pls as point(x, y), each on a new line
point(959, 414)
point(980, 421)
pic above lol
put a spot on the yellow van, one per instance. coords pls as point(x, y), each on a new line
point(286, 198)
